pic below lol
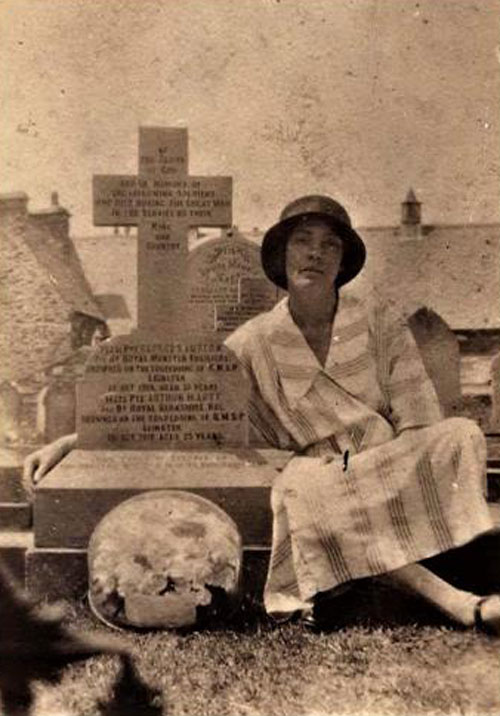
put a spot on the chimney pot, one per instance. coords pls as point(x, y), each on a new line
point(411, 209)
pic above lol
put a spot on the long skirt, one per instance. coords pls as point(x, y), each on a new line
point(411, 498)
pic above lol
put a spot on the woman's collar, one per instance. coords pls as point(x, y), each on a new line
point(295, 361)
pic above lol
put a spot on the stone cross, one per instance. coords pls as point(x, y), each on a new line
point(164, 202)
point(169, 384)
point(154, 411)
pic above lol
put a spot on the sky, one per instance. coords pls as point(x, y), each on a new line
point(359, 99)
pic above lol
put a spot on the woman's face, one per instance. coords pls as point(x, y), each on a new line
point(313, 255)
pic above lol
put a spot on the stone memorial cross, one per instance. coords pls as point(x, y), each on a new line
point(164, 202)
point(171, 383)
point(164, 408)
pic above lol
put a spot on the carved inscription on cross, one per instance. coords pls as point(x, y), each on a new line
point(164, 202)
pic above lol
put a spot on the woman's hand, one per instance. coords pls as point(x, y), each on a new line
point(38, 463)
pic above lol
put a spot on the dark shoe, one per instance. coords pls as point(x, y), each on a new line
point(309, 622)
point(278, 619)
point(491, 624)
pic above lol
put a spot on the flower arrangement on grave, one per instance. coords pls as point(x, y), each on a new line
point(164, 559)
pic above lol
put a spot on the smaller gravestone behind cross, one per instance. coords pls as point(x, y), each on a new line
point(440, 353)
point(218, 268)
point(57, 402)
point(59, 408)
point(255, 295)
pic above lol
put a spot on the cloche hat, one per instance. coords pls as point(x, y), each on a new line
point(273, 249)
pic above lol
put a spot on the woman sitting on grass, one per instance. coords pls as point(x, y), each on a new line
point(381, 481)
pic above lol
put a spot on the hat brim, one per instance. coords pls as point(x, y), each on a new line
point(273, 249)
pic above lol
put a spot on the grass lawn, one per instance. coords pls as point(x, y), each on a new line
point(289, 671)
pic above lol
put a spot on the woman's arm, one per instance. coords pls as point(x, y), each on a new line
point(266, 429)
point(38, 463)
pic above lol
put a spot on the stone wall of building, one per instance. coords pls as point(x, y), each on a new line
point(46, 304)
point(34, 315)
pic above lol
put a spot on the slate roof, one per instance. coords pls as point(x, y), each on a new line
point(110, 264)
point(113, 305)
point(42, 285)
point(453, 269)
point(58, 257)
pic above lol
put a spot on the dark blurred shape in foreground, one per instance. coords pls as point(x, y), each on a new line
point(37, 647)
point(131, 696)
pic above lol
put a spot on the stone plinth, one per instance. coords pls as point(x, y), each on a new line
point(87, 484)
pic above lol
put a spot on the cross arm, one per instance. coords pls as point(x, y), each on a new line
point(208, 202)
point(112, 205)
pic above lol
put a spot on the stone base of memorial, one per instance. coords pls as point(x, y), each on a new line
point(152, 415)
point(77, 493)
point(86, 485)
